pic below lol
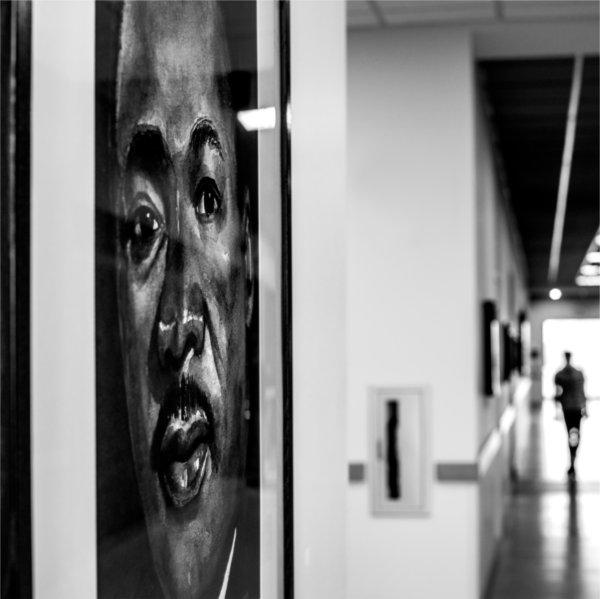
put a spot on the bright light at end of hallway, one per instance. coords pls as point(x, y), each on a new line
point(555, 294)
point(258, 119)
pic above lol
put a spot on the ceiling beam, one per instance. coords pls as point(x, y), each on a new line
point(376, 10)
point(565, 170)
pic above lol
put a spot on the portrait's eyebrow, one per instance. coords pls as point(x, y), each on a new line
point(204, 132)
point(148, 151)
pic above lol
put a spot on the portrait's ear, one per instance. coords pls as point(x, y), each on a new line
point(249, 258)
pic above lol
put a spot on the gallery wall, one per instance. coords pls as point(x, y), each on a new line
point(412, 296)
point(501, 271)
point(501, 277)
point(318, 88)
point(63, 366)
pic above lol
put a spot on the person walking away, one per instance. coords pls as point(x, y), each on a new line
point(570, 395)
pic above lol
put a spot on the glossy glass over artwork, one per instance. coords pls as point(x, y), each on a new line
point(178, 422)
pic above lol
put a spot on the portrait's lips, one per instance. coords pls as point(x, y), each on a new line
point(183, 443)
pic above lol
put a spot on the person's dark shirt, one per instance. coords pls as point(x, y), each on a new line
point(570, 380)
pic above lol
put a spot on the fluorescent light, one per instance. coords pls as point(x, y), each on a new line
point(597, 239)
point(588, 281)
point(555, 294)
point(590, 270)
point(258, 119)
point(593, 257)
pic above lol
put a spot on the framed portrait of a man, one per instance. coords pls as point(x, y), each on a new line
point(190, 205)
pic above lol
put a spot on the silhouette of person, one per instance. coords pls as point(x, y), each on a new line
point(569, 383)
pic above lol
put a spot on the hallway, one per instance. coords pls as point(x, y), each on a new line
point(551, 547)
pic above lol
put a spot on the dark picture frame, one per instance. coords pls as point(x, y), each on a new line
point(15, 435)
point(491, 349)
point(508, 352)
point(286, 300)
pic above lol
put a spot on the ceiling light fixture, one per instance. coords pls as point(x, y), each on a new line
point(593, 257)
point(588, 281)
point(590, 270)
point(565, 170)
point(555, 294)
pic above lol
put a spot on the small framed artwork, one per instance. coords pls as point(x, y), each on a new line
point(524, 344)
point(491, 349)
point(508, 352)
point(399, 473)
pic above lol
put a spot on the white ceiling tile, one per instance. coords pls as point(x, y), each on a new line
point(410, 12)
point(549, 9)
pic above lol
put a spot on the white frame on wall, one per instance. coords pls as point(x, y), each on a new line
point(413, 445)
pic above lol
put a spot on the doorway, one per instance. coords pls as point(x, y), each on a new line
point(580, 336)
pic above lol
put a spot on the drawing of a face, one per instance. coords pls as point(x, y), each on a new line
point(184, 281)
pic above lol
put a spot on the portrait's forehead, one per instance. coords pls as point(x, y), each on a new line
point(172, 70)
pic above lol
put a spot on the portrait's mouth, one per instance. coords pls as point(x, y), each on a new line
point(183, 447)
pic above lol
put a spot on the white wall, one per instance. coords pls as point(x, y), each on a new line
point(318, 87)
point(411, 302)
point(501, 277)
point(62, 301)
point(501, 267)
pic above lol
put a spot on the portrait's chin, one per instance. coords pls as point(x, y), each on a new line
point(191, 543)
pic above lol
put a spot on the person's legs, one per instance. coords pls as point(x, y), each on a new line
point(573, 421)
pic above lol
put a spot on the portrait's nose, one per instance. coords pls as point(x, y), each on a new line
point(181, 323)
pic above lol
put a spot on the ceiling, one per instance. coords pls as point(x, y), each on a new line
point(527, 99)
point(528, 102)
point(393, 13)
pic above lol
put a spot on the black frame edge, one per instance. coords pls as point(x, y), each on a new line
point(286, 301)
point(15, 385)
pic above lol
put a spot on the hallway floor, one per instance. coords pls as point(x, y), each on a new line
point(551, 547)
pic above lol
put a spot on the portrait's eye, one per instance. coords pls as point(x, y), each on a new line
point(143, 228)
point(207, 199)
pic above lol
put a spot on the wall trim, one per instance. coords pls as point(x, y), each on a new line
point(457, 472)
point(461, 472)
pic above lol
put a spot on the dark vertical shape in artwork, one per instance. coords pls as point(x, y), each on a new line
point(392, 450)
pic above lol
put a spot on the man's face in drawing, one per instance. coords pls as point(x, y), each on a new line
point(183, 287)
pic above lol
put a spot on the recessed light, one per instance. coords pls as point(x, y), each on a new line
point(555, 294)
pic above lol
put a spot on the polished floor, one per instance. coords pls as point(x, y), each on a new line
point(551, 546)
